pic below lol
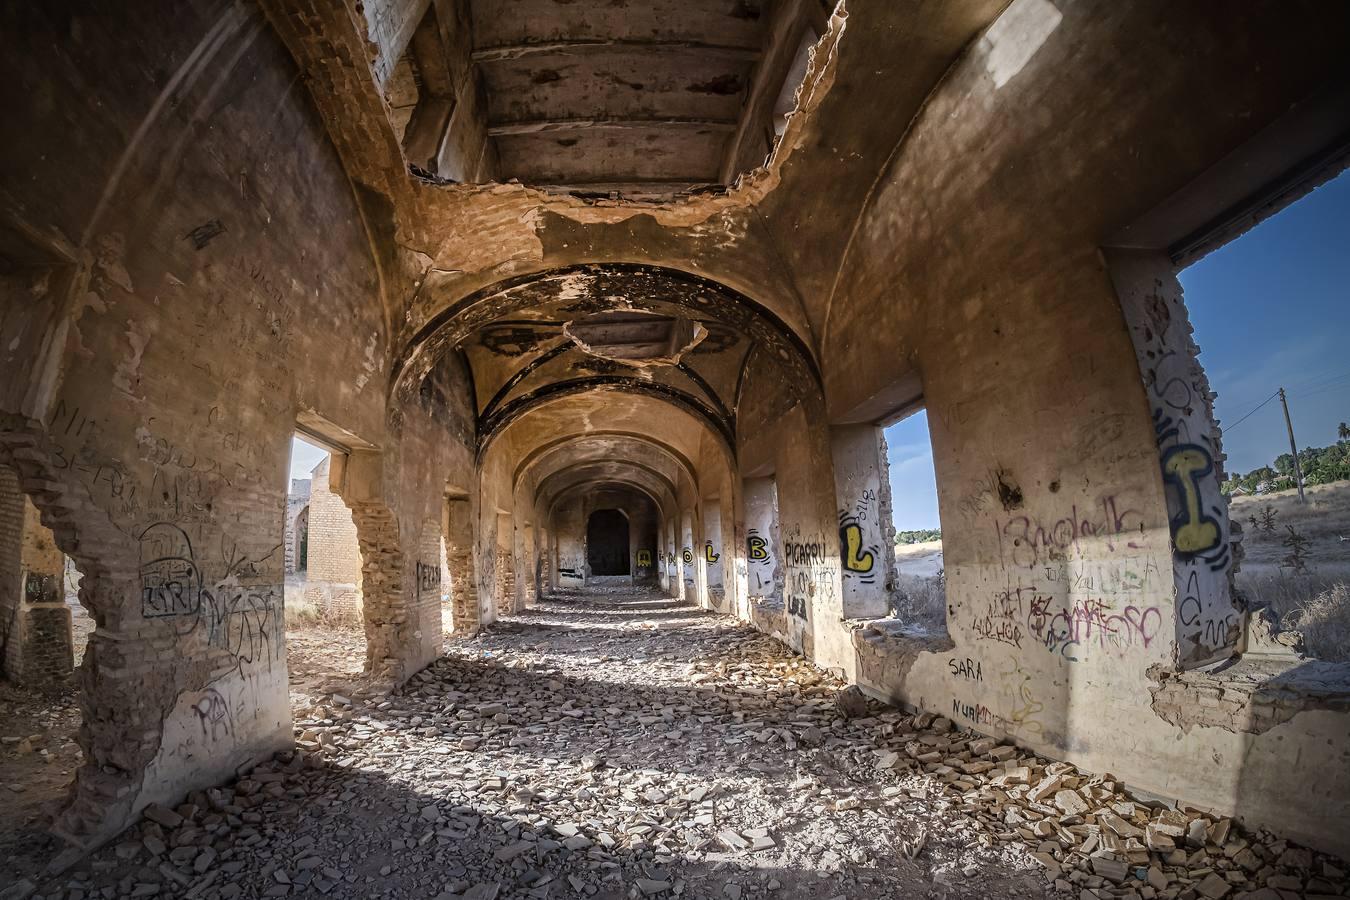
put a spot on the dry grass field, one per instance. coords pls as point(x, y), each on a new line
point(1316, 601)
point(921, 597)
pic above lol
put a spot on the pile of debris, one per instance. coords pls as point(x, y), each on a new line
point(597, 750)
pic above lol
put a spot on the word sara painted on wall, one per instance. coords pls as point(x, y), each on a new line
point(967, 668)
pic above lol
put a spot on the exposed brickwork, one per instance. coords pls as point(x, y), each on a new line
point(333, 576)
point(48, 646)
point(464, 608)
point(1250, 697)
point(389, 622)
point(119, 736)
point(297, 524)
point(11, 551)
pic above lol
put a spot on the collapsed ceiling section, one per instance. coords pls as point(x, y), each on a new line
point(596, 97)
point(662, 333)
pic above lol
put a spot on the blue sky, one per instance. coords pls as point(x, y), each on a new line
point(1270, 309)
point(913, 484)
point(304, 457)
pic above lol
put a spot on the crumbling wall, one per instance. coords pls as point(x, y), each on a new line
point(1066, 566)
point(1205, 543)
point(204, 310)
point(865, 556)
point(764, 577)
point(11, 567)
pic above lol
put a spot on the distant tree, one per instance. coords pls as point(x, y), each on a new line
point(1284, 464)
point(1343, 432)
point(922, 535)
point(1255, 477)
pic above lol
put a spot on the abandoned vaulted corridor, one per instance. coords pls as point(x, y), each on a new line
point(592, 314)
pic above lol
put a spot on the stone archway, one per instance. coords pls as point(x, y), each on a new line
point(121, 714)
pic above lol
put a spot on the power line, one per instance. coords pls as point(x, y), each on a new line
point(1328, 386)
point(1318, 383)
point(1228, 428)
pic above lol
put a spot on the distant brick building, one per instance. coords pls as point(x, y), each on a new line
point(36, 641)
point(297, 526)
point(333, 573)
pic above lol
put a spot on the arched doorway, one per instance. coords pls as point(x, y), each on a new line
point(607, 543)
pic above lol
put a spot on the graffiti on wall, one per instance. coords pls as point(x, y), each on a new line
point(1076, 629)
point(1002, 617)
point(1192, 530)
point(1207, 619)
point(810, 573)
point(213, 714)
point(428, 578)
point(709, 554)
point(39, 588)
point(244, 621)
point(1017, 694)
point(1028, 541)
point(858, 561)
point(644, 559)
point(760, 562)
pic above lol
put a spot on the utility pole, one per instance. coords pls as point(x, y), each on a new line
point(1293, 448)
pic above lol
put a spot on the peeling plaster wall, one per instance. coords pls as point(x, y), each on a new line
point(861, 475)
point(1060, 544)
point(764, 579)
point(1206, 543)
point(714, 551)
point(222, 282)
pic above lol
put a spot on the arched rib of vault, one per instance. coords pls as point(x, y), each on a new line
point(596, 473)
point(600, 386)
point(647, 454)
point(684, 435)
point(598, 287)
point(614, 484)
point(540, 459)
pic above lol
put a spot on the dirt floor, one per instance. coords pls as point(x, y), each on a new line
point(38, 759)
point(621, 745)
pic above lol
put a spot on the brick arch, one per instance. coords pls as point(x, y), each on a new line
point(121, 715)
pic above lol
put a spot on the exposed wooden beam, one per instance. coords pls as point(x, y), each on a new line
point(540, 126)
point(790, 21)
point(512, 52)
point(616, 184)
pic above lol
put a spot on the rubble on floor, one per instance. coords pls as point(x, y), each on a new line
point(625, 746)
